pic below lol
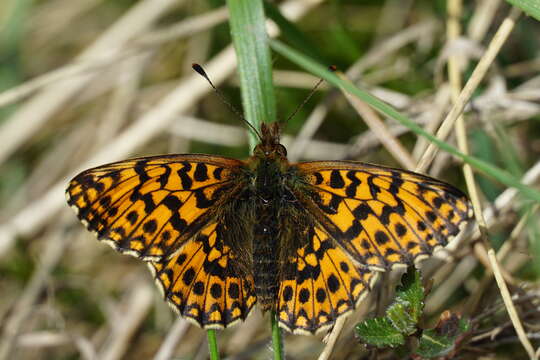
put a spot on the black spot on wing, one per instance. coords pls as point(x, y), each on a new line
point(362, 211)
point(203, 202)
point(164, 178)
point(140, 169)
point(304, 295)
point(150, 226)
point(217, 173)
point(185, 179)
point(132, 217)
point(353, 186)
point(336, 180)
point(172, 203)
point(318, 178)
point(381, 238)
point(201, 172)
point(374, 190)
point(177, 222)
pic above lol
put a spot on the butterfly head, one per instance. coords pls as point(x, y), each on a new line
point(270, 146)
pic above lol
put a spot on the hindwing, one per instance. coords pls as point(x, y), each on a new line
point(319, 283)
point(206, 280)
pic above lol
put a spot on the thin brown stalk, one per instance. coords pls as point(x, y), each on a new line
point(380, 130)
point(476, 77)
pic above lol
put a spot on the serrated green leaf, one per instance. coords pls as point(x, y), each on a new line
point(411, 292)
point(441, 340)
point(432, 345)
point(379, 332)
point(400, 315)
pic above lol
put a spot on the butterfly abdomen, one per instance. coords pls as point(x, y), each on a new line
point(266, 242)
point(265, 262)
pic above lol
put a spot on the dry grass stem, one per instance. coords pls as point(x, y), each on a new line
point(482, 18)
point(185, 28)
point(174, 336)
point(55, 247)
point(476, 77)
point(38, 110)
point(135, 307)
point(332, 338)
point(510, 306)
point(380, 130)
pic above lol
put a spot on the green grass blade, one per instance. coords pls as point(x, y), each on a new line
point(385, 109)
point(530, 7)
point(212, 344)
point(290, 32)
point(277, 339)
point(250, 41)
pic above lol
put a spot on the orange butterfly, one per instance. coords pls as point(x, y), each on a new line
point(302, 240)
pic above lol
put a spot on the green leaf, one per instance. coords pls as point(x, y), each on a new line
point(444, 339)
point(530, 7)
point(379, 332)
point(411, 292)
point(250, 41)
point(385, 109)
point(400, 316)
point(407, 308)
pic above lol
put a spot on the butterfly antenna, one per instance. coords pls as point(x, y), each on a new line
point(198, 68)
point(332, 68)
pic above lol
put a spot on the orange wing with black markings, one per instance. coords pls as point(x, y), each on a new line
point(319, 283)
point(382, 216)
point(149, 207)
point(205, 281)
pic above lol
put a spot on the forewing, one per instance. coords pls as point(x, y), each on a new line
point(382, 216)
point(319, 283)
point(148, 207)
point(205, 281)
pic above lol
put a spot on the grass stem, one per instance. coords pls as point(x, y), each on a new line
point(277, 340)
point(212, 344)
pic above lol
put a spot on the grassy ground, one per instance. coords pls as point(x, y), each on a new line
point(88, 82)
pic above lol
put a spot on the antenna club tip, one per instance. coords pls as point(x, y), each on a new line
point(198, 68)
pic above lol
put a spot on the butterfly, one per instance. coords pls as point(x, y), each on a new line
point(303, 240)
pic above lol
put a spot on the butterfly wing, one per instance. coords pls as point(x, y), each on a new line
point(149, 207)
point(206, 282)
point(319, 283)
point(381, 216)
